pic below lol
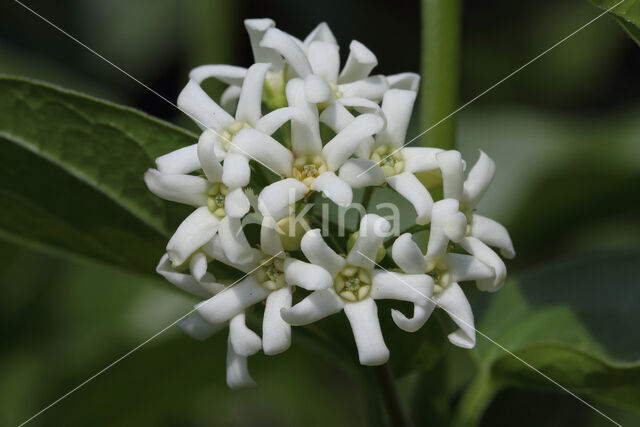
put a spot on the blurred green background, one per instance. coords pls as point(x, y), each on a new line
point(565, 134)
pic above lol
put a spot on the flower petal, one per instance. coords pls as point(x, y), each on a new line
point(316, 89)
point(307, 276)
point(325, 60)
point(360, 173)
point(232, 301)
point(196, 230)
point(229, 74)
point(198, 265)
point(492, 233)
point(415, 288)
point(452, 168)
point(336, 116)
point(195, 103)
point(196, 327)
point(184, 281)
point(407, 81)
point(244, 341)
point(236, 172)
point(256, 29)
point(264, 149)
point(466, 267)
point(421, 314)
point(359, 63)
point(274, 199)
point(305, 135)
point(182, 160)
point(318, 305)
point(397, 105)
point(234, 243)
point(271, 122)
point(453, 301)
point(373, 230)
point(407, 255)
point(237, 371)
point(213, 248)
point(187, 189)
point(372, 88)
point(478, 180)
point(270, 242)
point(321, 32)
point(447, 223)
point(363, 316)
point(276, 333)
point(286, 46)
point(486, 255)
point(361, 105)
point(236, 203)
point(250, 103)
point(409, 187)
point(207, 156)
point(345, 143)
point(420, 159)
point(333, 188)
point(318, 252)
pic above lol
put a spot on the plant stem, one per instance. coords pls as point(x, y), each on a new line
point(441, 22)
point(474, 401)
point(398, 416)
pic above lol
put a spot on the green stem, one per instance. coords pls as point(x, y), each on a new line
point(398, 416)
point(475, 401)
point(441, 21)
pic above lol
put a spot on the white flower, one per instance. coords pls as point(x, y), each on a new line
point(219, 206)
point(311, 165)
point(384, 159)
point(356, 286)
point(447, 269)
point(468, 193)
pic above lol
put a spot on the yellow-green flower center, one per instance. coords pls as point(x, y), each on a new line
point(215, 199)
point(231, 131)
point(439, 272)
point(308, 168)
point(271, 274)
point(352, 283)
point(389, 159)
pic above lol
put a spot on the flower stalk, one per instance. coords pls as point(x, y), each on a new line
point(396, 411)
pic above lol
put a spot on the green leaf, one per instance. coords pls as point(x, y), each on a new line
point(72, 176)
point(627, 14)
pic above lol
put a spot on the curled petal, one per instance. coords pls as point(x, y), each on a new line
point(269, 239)
point(447, 223)
point(407, 255)
point(207, 156)
point(409, 187)
point(238, 376)
point(333, 188)
point(186, 282)
point(421, 314)
point(407, 81)
point(336, 116)
point(452, 168)
point(373, 230)
point(196, 327)
point(274, 200)
point(182, 160)
point(250, 102)
point(229, 98)
point(359, 63)
point(415, 288)
point(229, 74)
point(453, 301)
point(492, 233)
point(318, 252)
point(478, 180)
point(397, 106)
point(362, 105)
point(321, 32)
point(318, 305)
point(187, 189)
point(198, 266)
point(325, 60)
point(360, 173)
point(363, 316)
point(487, 256)
point(305, 134)
point(232, 301)
point(195, 103)
point(234, 243)
point(316, 89)
point(244, 341)
point(256, 29)
point(196, 230)
point(286, 46)
point(236, 203)
point(276, 333)
point(345, 143)
point(372, 88)
point(466, 267)
point(236, 172)
point(308, 276)
point(271, 122)
point(263, 149)
point(420, 159)
point(213, 248)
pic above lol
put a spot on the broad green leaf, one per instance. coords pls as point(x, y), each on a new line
point(72, 172)
point(627, 14)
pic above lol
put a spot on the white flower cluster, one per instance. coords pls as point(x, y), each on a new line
point(317, 129)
